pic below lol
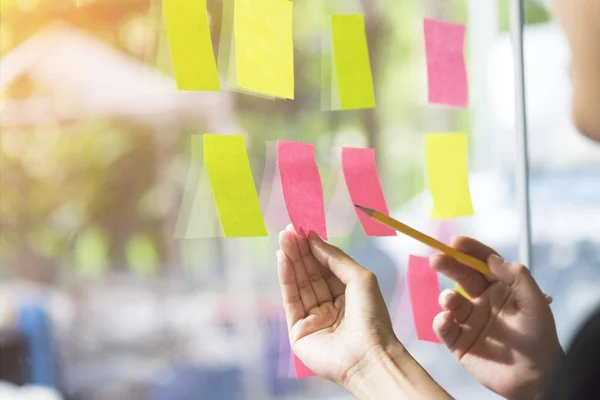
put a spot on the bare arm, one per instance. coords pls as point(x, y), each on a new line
point(395, 374)
point(340, 327)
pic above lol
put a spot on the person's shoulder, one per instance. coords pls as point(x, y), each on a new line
point(578, 377)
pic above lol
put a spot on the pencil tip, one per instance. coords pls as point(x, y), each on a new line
point(366, 210)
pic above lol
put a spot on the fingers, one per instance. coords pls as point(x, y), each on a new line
point(336, 287)
point(292, 303)
point(289, 247)
point(472, 247)
point(342, 266)
point(302, 256)
point(472, 282)
point(447, 329)
point(505, 272)
point(518, 277)
point(447, 324)
point(459, 307)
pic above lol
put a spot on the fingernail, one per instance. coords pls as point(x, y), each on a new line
point(281, 235)
point(312, 235)
point(495, 261)
point(279, 254)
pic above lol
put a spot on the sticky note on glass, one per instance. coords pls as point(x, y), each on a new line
point(446, 70)
point(198, 217)
point(448, 174)
point(351, 59)
point(302, 371)
point(226, 162)
point(264, 47)
point(340, 212)
point(364, 187)
point(302, 188)
point(191, 48)
point(424, 288)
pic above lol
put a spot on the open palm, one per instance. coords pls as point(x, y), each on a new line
point(505, 336)
point(335, 313)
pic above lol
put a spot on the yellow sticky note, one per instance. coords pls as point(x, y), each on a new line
point(198, 213)
point(351, 58)
point(264, 47)
point(230, 177)
point(448, 174)
point(191, 48)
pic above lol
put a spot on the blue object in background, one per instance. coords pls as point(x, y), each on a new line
point(34, 323)
point(191, 382)
point(280, 386)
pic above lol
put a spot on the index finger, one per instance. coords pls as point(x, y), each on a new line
point(340, 264)
point(473, 282)
point(472, 247)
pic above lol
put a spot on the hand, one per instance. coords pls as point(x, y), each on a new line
point(339, 325)
point(335, 312)
point(505, 336)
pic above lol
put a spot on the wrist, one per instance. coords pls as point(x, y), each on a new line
point(391, 372)
point(537, 388)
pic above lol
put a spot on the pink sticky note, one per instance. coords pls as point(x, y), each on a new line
point(302, 371)
point(446, 70)
point(424, 289)
point(364, 187)
point(302, 189)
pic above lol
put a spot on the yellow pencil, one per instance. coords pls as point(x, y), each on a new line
point(427, 240)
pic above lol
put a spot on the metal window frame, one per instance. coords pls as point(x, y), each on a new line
point(517, 25)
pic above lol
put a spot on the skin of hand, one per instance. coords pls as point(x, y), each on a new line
point(581, 22)
point(339, 325)
point(505, 336)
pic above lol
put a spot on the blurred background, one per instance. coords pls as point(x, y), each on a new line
point(99, 300)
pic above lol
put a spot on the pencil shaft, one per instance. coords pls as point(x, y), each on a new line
point(436, 244)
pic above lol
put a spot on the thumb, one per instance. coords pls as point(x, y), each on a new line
point(517, 277)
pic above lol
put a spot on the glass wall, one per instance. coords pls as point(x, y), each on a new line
point(565, 195)
point(98, 167)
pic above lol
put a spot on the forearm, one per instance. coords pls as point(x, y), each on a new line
point(393, 373)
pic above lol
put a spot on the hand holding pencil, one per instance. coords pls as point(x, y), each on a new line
point(463, 258)
point(507, 319)
point(431, 242)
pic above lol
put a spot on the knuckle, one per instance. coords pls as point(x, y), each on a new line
point(438, 261)
point(518, 269)
point(326, 273)
point(294, 299)
point(370, 277)
point(303, 284)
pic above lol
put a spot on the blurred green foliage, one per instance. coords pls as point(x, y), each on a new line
point(87, 193)
point(535, 13)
